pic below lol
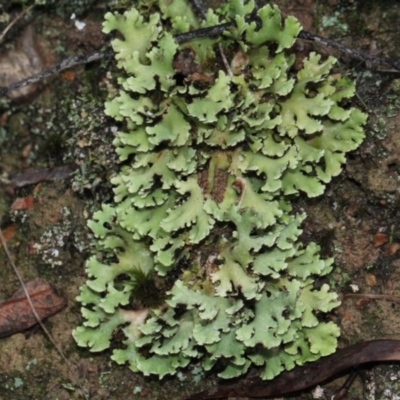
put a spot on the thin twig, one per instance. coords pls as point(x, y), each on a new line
point(224, 60)
point(357, 54)
point(39, 320)
point(65, 64)
point(343, 391)
point(217, 30)
point(373, 296)
point(12, 23)
point(198, 8)
point(211, 32)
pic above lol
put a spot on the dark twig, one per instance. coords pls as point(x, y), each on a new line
point(211, 32)
point(308, 375)
point(217, 30)
point(198, 8)
point(357, 54)
point(64, 64)
point(344, 389)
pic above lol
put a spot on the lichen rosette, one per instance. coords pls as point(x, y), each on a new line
point(199, 259)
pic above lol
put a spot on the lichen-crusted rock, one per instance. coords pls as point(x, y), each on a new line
point(219, 135)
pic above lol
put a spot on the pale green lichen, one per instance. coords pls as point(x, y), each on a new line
point(211, 157)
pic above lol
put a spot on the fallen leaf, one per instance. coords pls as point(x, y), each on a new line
point(380, 239)
point(30, 248)
point(35, 176)
point(26, 150)
point(393, 248)
point(8, 233)
point(83, 143)
point(28, 58)
point(370, 279)
point(16, 314)
point(22, 203)
point(68, 76)
point(3, 119)
point(347, 317)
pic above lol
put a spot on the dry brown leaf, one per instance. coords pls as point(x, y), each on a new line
point(347, 317)
point(393, 248)
point(22, 203)
point(27, 59)
point(16, 314)
point(34, 176)
point(9, 233)
point(68, 75)
point(370, 279)
point(380, 239)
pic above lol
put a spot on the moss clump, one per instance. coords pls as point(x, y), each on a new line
point(219, 136)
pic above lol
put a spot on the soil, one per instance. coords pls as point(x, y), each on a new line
point(62, 122)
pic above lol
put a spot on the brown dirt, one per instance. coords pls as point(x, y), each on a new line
point(64, 123)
